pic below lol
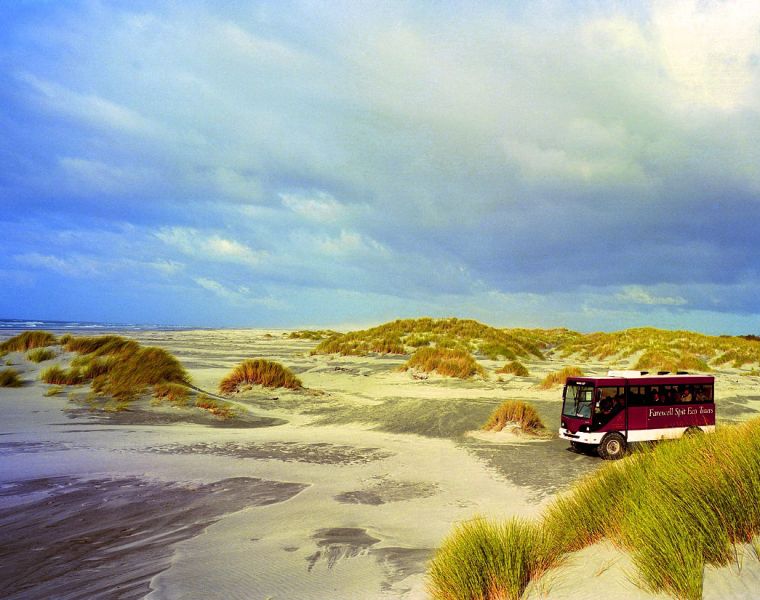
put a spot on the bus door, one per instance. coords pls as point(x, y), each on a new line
point(611, 413)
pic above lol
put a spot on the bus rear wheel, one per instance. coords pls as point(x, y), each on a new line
point(612, 446)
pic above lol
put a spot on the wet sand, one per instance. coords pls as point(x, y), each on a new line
point(340, 491)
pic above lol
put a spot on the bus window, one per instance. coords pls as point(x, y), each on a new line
point(703, 393)
point(637, 395)
point(654, 395)
point(577, 401)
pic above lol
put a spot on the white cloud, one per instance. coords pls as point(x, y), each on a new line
point(73, 266)
point(319, 206)
point(210, 247)
point(638, 295)
point(238, 296)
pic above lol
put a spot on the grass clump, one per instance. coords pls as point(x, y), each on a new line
point(219, 408)
point(444, 361)
point(174, 393)
point(28, 340)
point(259, 371)
point(9, 378)
point(312, 334)
point(59, 376)
point(514, 367)
point(559, 377)
point(515, 411)
point(483, 559)
point(53, 390)
point(39, 355)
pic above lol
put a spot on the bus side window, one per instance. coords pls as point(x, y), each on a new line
point(654, 395)
point(636, 396)
point(703, 393)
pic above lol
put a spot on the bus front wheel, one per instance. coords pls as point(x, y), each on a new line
point(612, 446)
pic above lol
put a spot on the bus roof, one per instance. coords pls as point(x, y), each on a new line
point(647, 379)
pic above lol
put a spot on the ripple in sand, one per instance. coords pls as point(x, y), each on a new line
point(384, 490)
point(318, 453)
point(107, 538)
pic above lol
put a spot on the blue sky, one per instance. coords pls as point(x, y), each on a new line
point(594, 165)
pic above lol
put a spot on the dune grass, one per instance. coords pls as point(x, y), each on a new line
point(219, 408)
point(559, 377)
point(674, 507)
point(39, 355)
point(173, 393)
point(259, 371)
point(28, 340)
point(9, 378)
point(444, 361)
point(518, 412)
point(53, 390)
point(116, 367)
point(514, 367)
point(312, 334)
point(404, 335)
point(483, 559)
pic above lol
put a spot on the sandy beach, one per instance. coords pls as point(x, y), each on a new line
point(342, 490)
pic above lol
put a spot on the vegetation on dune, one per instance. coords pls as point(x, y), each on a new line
point(259, 371)
point(312, 334)
point(403, 335)
point(116, 366)
point(53, 390)
point(9, 378)
point(220, 408)
point(174, 393)
point(664, 350)
point(444, 361)
point(28, 340)
point(514, 368)
point(483, 559)
point(39, 355)
point(674, 507)
point(559, 377)
point(518, 412)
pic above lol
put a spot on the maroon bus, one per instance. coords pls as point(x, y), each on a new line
point(633, 406)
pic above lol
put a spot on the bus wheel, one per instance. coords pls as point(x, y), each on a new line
point(691, 431)
point(612, 446)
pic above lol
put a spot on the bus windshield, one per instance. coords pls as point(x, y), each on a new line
point(577, 401)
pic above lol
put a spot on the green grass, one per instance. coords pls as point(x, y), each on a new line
point(483, 559)
point(514, 368)
point(674, 507)
point(559, 377)
point(515, 411)
point(59, 376)
point(259, 371)
point(9, 378)
point(28, 340)
point(444, 361)
point(39, 355)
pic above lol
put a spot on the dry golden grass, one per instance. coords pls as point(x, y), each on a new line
point(58, 376)
point(220, 408)
point(444, 361)
point(559, 377)
point(514, 368)
point(518, 412)
point(9, 378)
point(312, 334)
point(28, 340)
point(259, 371)
point(174, 393)
point(39, 355)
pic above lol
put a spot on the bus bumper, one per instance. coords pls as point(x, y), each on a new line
point(581, 437)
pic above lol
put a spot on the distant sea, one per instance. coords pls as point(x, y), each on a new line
point(57, 325)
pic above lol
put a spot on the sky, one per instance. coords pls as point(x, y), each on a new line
point(587, 164)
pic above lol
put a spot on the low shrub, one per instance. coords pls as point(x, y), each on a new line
point(28, 340)
point(515, 411)
point(259, 371)
point(39, 355)
point(484, 559)
point(9, 378)
point(444, 361)
point(559, 377)
point(514, 368)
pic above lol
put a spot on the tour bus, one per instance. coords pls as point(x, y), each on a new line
point(633, 406)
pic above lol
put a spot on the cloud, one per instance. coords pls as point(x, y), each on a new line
point(319, 206)
point(210, 247)
point(638, 295)
point(239, 296)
